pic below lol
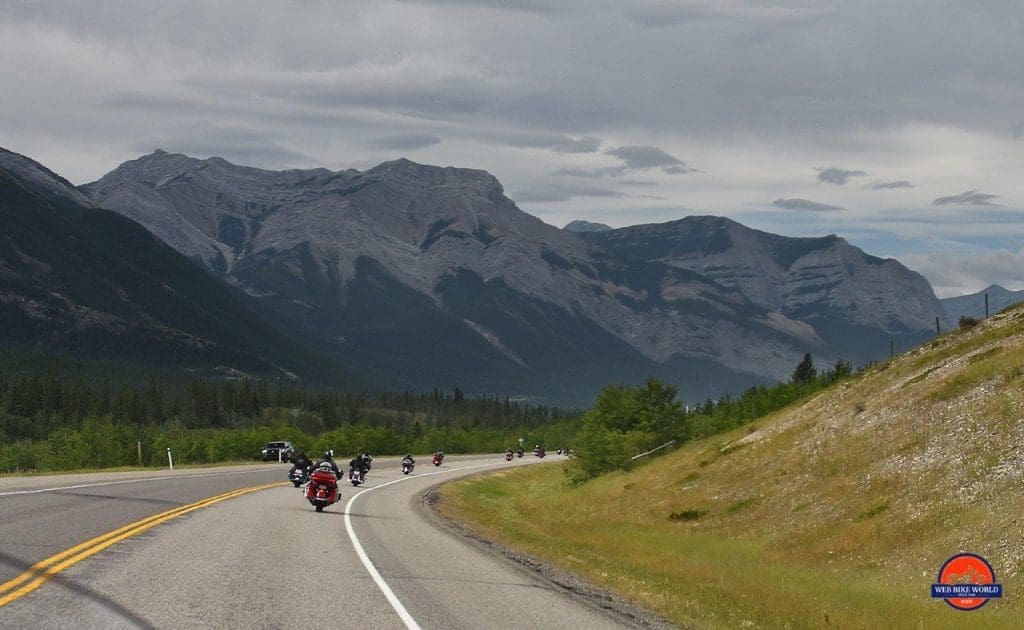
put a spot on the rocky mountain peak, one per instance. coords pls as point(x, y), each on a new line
point(580, 226)
point(406, 172)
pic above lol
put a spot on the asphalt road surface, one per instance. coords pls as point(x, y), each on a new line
point(261, 559)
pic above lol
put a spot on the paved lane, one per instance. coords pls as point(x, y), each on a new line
point(267, 560)
point(41, 516)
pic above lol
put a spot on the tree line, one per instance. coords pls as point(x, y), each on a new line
point(67, 416)
point(625, 421)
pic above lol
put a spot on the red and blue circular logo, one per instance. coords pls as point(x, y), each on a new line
point(967, 581)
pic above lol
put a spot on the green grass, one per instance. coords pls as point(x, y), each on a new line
point(836, 513)
point(692, 577)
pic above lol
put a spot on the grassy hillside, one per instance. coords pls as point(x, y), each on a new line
point(837, 512)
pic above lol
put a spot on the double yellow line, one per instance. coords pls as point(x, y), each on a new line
point(37, 575)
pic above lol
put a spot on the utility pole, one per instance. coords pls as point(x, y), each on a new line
point(937, 331)
point(892, 348)
point(986, 306)
point(138, 448)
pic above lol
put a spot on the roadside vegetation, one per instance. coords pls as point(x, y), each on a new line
point(61, 417)
point(625, 421)
point(835, 511)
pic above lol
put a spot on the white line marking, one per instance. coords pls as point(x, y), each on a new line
point(407, 619)
point(123, 481)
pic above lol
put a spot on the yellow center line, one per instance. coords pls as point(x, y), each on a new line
point(36, 575)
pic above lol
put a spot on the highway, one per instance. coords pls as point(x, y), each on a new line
point(263, 558)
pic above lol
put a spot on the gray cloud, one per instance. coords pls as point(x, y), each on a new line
point(967, 198)
point(742, 84)
point(551, 193)
point(406, 141)
point(804, 204)
point(538, 7)
point(586, 144)
point(962, 273)
point(890, 185)
point(603, 171)
point(640, 156)
point(634, 158)
point(669, 14)
point(837, 176)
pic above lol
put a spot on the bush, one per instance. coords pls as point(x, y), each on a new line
point(967, 322)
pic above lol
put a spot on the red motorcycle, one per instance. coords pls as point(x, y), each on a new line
point(438, 458)
point(322, 489)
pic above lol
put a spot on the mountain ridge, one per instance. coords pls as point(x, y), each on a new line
point(675, 298)
point(300, 243)
point(88, 282)
point(973, 304)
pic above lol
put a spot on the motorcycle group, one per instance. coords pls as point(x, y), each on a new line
point(321, 478)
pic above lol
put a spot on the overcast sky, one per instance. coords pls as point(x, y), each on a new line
point(898, 125)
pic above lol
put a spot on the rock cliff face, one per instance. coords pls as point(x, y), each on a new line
point(426, 276)
point(88, 282)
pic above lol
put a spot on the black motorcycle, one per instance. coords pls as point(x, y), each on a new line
point(407, 466)
point(298, 475)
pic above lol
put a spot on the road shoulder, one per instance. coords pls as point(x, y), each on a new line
point(565, 582)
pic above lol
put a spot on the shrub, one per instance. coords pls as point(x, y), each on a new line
point(967, 322)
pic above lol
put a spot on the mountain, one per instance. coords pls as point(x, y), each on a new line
point(88, 282)
point(586, 226)
point(842, 299)
point(973, 305)
point(425, 276)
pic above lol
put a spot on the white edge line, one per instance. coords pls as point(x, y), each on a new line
point(410, 623)
point(123, 481)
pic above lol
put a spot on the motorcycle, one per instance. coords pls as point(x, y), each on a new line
point(438, 458)
point(539, 452)
point(298, 475)
point(508, 456)
point(519, 453)
point(322, 489)
point(356, 476)
point(407, 466)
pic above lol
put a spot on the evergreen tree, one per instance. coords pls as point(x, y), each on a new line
point(804, 372)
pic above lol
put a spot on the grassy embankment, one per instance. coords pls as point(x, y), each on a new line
point(836, 512)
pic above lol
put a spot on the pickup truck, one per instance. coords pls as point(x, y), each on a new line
point(278, 451)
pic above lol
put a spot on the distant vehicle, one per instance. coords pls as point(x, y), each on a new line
point(282, 451)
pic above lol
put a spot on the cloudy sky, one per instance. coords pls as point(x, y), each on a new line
point(898, 125)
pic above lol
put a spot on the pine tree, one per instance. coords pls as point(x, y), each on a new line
point(804, 372)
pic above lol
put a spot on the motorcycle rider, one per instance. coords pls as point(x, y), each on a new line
point(328, 462)
point(301, 462)
point(356, 463)
point(408, 459)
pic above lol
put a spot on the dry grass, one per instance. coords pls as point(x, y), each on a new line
point(836, 513)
